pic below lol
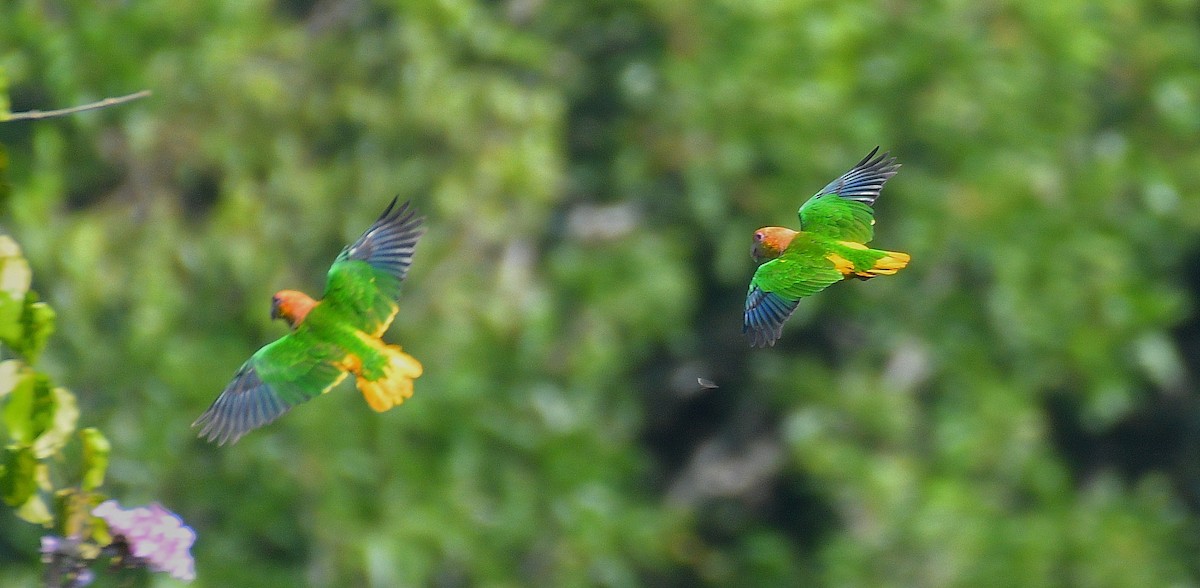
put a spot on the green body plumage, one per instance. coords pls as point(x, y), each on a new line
point(836, 224)
point(331, 338)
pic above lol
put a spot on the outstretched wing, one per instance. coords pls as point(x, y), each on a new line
point(364, 281)
point(842, 209)
point(776, 290)
point(277, 377)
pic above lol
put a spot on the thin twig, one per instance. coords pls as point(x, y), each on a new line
point(38, 114)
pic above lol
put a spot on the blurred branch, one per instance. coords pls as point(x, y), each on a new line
point(38, 114)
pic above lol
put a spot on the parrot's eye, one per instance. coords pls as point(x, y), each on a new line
point(758, 236)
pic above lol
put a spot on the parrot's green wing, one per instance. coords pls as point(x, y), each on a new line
point(277, 377)
point(364, 281)
point(842, 209)
point(776, 290)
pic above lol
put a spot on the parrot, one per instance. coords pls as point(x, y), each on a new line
point(339, 334)
point(836, 224)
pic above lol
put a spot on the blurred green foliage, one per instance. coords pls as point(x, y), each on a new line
point(38, 421)
point(1016, 407)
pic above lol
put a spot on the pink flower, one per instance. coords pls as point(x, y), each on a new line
point(155, 535)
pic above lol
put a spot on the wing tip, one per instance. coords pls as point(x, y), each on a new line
point(762, 339)
point(764, 317)
point(390, 206)
point(762, 335)
point(869, 156)
point(885, 164)
point(864, 181)
point(389, 243)
point(213, 430)
point(246, 404)
point(404, 216)
point(402, 221)
point(402, 224)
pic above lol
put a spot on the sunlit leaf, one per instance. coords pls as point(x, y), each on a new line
point(62, 425)
point(95, 458)
point(37, 322)
point(33, 408)
point(41, 475)
point(10, 371)
point(18, 408)
point(91, 551)
point(11, 329)
point(73, 508)
point(15, 276)
point(35, 511)
point(100, 532)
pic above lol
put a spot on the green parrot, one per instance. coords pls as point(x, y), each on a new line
point(836, 224)
point(337, 335)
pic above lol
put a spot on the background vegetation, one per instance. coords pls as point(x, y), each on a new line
point(1018, 407)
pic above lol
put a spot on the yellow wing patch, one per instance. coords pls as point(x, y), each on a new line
point(889, 264)
point(841, 264)
point(351, 363)
point(396, 385)
point(333, 384)
point(383, 326)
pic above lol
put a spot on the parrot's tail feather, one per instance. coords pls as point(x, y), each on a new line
point(396, 385)
point(890, 263)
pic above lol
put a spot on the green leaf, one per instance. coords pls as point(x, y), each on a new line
point(44, 408)
point(35, 511)
point(34, 409)
point(95, 458)
point(5, 188)
point(20, 476)
point(100, 533)
point(11, 311)
point(62, 424)
point(37, 323)
point(5, 110)
point(25, 323)
point(73, 508)
point(10, 372)
point(15, 278)
point(19, 407)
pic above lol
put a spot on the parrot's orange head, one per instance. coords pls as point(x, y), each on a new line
point(291, 306)
point(769, 242)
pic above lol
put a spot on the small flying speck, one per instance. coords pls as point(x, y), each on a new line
point(706, 384)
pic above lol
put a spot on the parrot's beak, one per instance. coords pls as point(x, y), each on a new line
point(274, 308)
point(756, 252)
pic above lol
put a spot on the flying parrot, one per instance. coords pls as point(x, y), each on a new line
point(337, 335)
point(836, 224)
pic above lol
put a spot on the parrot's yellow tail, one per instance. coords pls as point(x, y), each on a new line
point(890, 263)
point(396, 385)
